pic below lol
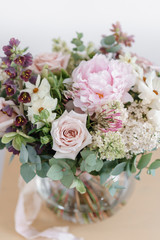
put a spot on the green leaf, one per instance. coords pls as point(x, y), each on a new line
point(60, 161)
point(82, 166)
point(79, 35)
point(27, 138)
point(1, 144)
point(151, 172)
point(27, 172)
point(68, 178)
point(98, 165)
point(17, 142)
point(128, 171)
point(118, 169)
point(114, 49)
point(44, 114)
point(36, 118)
point(91, 160)
point(155, 164)
point(103, 177)
point(80, 186)
point(133, 164)
point(33, 157)
point(55, 172)
point(85, 153)
point(8, 137)
point(23, 154)
point(43, 172)
point(81, 48)
point(112, 190)
point(109, 40)
point(144, 160)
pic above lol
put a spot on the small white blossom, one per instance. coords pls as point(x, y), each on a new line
point(47, 103)
point(39, 90)
point(150, 90)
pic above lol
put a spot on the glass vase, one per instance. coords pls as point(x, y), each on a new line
point(96, 204)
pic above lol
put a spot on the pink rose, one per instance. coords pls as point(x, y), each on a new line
point(70, 135)
point(98, 81)
point(5, 120)
point(55, 61)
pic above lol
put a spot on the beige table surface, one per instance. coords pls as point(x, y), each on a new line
point(139, 219)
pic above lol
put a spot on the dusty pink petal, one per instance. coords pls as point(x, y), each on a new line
point(98, 81)
point(55, 61)
point(70, 134)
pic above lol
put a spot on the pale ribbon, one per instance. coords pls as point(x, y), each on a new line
point(28, 207)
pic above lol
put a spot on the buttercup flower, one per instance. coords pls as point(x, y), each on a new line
point(99, 80)
point(70, 135)
point(55, 62)
point(5, 120)
point(47, 103)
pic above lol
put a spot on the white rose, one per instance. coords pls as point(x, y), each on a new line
point(70, 135)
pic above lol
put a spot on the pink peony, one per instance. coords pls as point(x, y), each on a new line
point(99, 80)
point(55, 61)
point(70, 135)
point(5, 120)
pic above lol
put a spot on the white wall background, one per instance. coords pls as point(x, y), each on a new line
point(36, 22)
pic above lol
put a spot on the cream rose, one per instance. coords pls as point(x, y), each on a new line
point(70, 135)
point(55, 61)
point(5, 120)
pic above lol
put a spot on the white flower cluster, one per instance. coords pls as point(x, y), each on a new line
point(109, 145)
point(40, 100)
point(139, 134)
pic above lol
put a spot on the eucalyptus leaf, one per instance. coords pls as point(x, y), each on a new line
point(118, 169)
point(109, 40)
point(23, 154)
point(27, 172)
point(144, 160)
point(91, 160)
point(68, 178)
point(85, 153)
point(155, 164)
point(55, 172)
point(33, 157)
point(103, 177)
point(43, 172)
point(114, 49)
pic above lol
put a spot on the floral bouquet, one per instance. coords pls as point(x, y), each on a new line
point(78, 114)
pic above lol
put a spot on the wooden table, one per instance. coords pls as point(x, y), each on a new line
point(139, 219)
